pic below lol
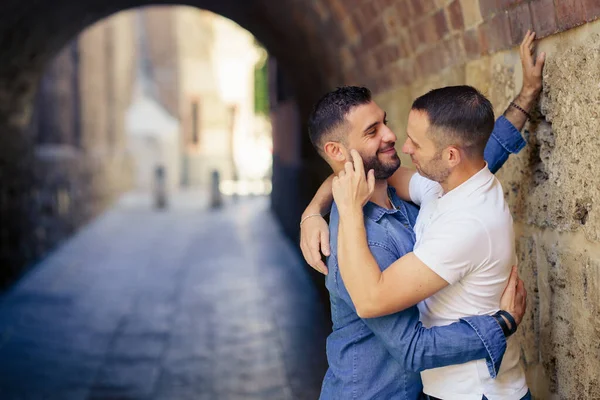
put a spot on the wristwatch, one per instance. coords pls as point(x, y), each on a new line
point(505, 328)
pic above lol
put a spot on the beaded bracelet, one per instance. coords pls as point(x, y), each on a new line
point(512, 103)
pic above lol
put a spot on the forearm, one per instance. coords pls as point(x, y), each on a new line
point(526, 99)
point(359, 269)
point(321, 202)
point(418, 348)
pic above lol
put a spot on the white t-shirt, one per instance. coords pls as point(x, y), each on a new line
point(466, 237)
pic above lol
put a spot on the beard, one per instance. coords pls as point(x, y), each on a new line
point(434, 169)
point(383, 170)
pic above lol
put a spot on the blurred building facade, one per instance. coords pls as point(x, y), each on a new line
point(160, 86)
point(78, 124)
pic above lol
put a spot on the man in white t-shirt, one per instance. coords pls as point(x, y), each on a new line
point(464, 237)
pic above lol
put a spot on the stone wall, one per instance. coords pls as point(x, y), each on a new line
point(554, 198)
point(553, 194)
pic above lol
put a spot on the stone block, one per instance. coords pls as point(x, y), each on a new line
point(472, 44)
point(496, 33)
point(543, 17)
point(592, 9)
point(404, 12)
point(422, 7)
point(375, 36)
point(427, 31)
point(455, 15)
point(440, 23)
point(569, 13)
point(520, 22)
point(488, 7)
point(368, 12)
point(471, 13)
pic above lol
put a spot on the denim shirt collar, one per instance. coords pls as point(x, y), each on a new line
point(375, 212)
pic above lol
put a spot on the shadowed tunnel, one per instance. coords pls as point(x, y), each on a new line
point(31, 34)
point(178, 330)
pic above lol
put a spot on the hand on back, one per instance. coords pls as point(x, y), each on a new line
point(314, 241)
point(514, 297)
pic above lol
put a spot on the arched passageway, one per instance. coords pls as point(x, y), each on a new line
point(32, 33)
point(251, 328)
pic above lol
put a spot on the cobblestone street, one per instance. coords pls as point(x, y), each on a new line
point(182, 304)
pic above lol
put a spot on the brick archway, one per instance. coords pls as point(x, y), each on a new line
point(32, 33)
point(297, 33)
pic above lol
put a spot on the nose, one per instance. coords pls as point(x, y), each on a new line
point(406, 147)
point(389, 135)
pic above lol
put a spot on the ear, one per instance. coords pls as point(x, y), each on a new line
point(453, 156)
point(335, 151)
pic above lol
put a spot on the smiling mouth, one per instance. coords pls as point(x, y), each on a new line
point(390, 150)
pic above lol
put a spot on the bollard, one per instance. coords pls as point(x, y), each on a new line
point(160, 188)
point(216, 200)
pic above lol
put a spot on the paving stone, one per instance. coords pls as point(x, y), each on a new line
point(126, 378)
point(184, 304)
point(137, 347)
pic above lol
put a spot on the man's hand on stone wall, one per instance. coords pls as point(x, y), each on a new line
point(532, 68)
point(518, 112)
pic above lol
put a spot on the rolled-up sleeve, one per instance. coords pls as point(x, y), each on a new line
point(504, 140)
point(493, 338)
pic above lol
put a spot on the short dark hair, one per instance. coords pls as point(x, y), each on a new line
point(459, 115)
point(329, 113)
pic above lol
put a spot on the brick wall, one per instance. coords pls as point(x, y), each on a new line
point(393, 43)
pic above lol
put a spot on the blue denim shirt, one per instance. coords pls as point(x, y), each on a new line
point(380, 358)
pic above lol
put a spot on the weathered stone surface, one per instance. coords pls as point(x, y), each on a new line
point(550, 183)
point(559, 332)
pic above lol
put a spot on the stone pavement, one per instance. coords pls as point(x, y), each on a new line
point(182, 304)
